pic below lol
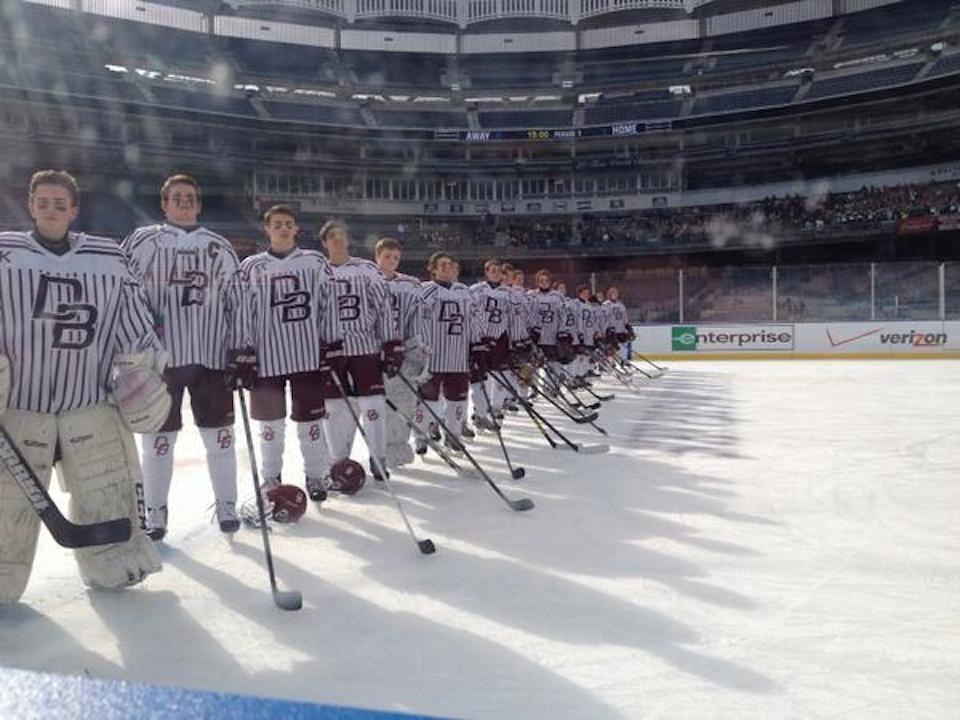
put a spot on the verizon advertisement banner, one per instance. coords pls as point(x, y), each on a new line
point(900, 338)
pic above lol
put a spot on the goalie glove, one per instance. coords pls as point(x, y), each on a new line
point(139, 391)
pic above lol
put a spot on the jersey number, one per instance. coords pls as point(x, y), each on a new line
point(285, 293)
point(73, 321)
point(193, 282)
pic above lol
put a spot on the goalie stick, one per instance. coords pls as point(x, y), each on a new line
point(66, 533)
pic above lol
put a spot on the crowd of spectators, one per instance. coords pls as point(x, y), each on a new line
point(762, 223)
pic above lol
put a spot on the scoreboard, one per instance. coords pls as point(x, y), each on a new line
point(554, 134)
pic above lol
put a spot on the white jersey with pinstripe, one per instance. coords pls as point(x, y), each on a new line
point(494, 302)
point(591, 319)
point(571, 320)
point(362, 302)
point(548, 315)
point(405, 292)
point(63, 318)
point(191, 281)
point(287, 313)
point(450, 322)
point(618, 315)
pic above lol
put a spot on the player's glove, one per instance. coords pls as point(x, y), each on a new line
point(480, 356)
point(392, 358)
point(333, 357)
point(535, 336)
point(623, 337)
point(520, 353)
point(242, 367)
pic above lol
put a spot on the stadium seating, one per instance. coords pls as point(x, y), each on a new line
point(202, 100)
point(946, 65)
point(863, 81)
point(420, 118)
point(624, 112)
point(729, 102)
point(314, 113)
point(526, 119)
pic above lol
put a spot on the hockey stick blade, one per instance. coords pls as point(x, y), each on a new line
point(287, 599)
point(426, 546)
point(521, 504)
point(584, 418)
point(66, 533)
point(587, 449)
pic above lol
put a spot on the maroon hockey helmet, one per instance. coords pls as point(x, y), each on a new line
point(347, 476)
point(287, 503)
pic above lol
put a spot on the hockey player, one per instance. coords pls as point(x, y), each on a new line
point(620, 331)
point(547, 318)
point(590, 332)
point(405, 302)
point(568, 333)
point(189, 274)
point(72, 314)
point(451, 327)
point(370, 349)
point(493, 301)
point(287, 323)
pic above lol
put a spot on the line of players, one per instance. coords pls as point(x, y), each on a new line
point(109, 339)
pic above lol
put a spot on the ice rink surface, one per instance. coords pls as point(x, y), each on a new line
point(764, 539)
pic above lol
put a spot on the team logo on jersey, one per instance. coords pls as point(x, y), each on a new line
point(225, 438)
point(161, 445)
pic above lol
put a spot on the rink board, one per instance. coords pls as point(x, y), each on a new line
point(28, 695)
point(895, 340)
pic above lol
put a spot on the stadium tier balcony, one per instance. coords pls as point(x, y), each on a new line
point(313, 113)
point(420, 119)
point(863, 81)
point(614, 112)
point(745, 100)
point(895, 21)
point(529, 119)
point(257, 58)
point(202, 100)
point(946, 65)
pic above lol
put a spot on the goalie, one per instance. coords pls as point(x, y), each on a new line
point(78, 373)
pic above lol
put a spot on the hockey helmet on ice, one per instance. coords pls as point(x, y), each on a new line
point(347, 476)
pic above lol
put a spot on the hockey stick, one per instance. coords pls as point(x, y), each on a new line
point(283, 599)
point(565, 377)
point(66, 533)
point(559, 383)
point(517, 472)
point(579, 419)
point(518, 505)
point(434, 445)
point(538, 418)
point(426, 545)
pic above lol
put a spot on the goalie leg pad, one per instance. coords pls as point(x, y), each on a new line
point(99, 469)
point(4, 382)
point(35, 435)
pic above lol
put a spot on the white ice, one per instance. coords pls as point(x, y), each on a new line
point(765, 539)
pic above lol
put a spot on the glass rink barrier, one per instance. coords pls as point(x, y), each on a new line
point(31, 696)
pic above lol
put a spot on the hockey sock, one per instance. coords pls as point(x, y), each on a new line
point(221, 462)
point(271, 447)
point(313, 446)
point(454, 416)
point(372, 411)
point(156, 456)
point(339, 429)
point(480, 406)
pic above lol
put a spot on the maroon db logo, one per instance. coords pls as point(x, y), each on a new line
point(161, 445)
point(372, 415)
point(225, 438)
point(268, 434)
point(315, 432)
